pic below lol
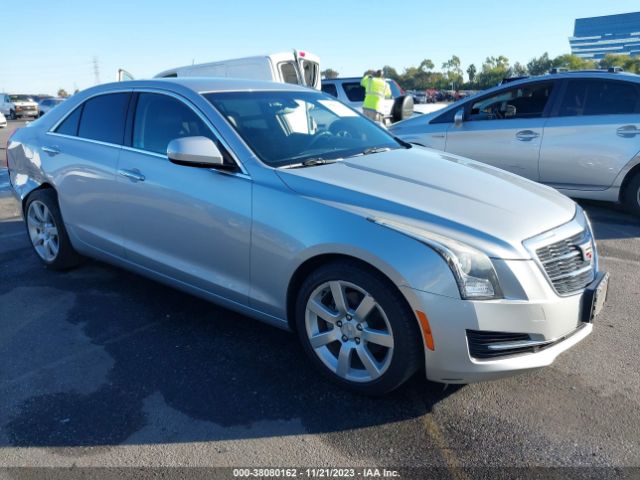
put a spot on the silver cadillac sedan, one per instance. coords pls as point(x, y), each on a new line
point(288, 206)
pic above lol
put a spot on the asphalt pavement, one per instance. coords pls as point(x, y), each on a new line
point(101, 367)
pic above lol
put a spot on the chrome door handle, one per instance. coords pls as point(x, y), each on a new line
point(51, 150)
point(526, 135)
point(628, 131)
point(133, 175)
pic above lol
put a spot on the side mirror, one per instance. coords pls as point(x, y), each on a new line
point(458, 118)
point(195, 152)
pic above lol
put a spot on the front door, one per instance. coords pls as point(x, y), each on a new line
point(504, 129)
point(190, 224)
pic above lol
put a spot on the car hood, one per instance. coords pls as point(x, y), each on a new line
point(25, 104)
point(483, 206)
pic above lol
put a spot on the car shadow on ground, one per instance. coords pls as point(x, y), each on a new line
point(100, 356)
point(611, 221)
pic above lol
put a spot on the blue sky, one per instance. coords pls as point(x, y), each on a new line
point(350, 36)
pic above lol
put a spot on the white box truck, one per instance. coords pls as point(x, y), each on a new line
point(297, 67)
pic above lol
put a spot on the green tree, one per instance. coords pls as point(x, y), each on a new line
point(540, 65)
point(518, 70)
point(573, 62)
point(494, 70)
point(329, 73)
point(390, 72)
point(626, 62)
point(62, 93)
point(453, 72)
point(426, 65)
point(471, 72)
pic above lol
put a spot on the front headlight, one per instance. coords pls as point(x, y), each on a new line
point(472, 269)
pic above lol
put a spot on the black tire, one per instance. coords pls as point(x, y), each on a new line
point(407, 355)
point(12, 115)
point(631, 195)
point(66, 257)
point(402, 108)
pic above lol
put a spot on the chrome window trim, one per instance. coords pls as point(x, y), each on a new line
point(88, 140)
point(243, 172)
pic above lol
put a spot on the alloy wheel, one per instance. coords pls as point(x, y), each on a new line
point(349, 331)
point(43, 231)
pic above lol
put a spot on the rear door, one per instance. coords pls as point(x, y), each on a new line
point(593, 133)
point(82, 152)
point(190, 224)
point(505, 128)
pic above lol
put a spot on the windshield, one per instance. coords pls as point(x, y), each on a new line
point(285, 128)
point(20, 98)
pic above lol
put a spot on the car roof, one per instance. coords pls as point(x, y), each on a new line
point(207, 84)
point(572, 74)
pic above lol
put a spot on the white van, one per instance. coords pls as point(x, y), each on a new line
point(297, 67)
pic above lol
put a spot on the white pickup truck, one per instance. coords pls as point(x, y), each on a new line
point(18, 106)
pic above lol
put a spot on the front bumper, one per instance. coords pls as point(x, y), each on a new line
point(543, 315)
point(26, 113)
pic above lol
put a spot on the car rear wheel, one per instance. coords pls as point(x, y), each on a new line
point(631, 195)
point(357, 329)
point(12, 115)
point(47, 231)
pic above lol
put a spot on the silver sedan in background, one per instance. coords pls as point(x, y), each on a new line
point(46, 104)
point(578, 132)
point(288, 206)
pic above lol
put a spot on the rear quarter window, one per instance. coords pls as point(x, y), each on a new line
point(70, 124)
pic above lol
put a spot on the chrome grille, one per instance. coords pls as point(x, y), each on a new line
point(565, 263)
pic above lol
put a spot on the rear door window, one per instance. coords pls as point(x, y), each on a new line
point(354, 91)
point(599, 97)
point(330, 88)
point(103, 118)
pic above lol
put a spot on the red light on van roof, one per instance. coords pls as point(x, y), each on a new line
point(302, 54)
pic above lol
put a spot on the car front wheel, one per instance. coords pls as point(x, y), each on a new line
point(357, 328)
point(47, 231)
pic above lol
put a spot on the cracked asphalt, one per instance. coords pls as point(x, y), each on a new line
point(101, 367)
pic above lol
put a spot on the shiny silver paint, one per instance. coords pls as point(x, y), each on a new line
point(238, 239)
point(583, 157)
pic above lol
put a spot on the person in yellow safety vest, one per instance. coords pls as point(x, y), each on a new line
point(376, 90)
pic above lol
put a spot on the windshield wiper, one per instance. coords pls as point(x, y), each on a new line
point(370, 150)
point(311, 162)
